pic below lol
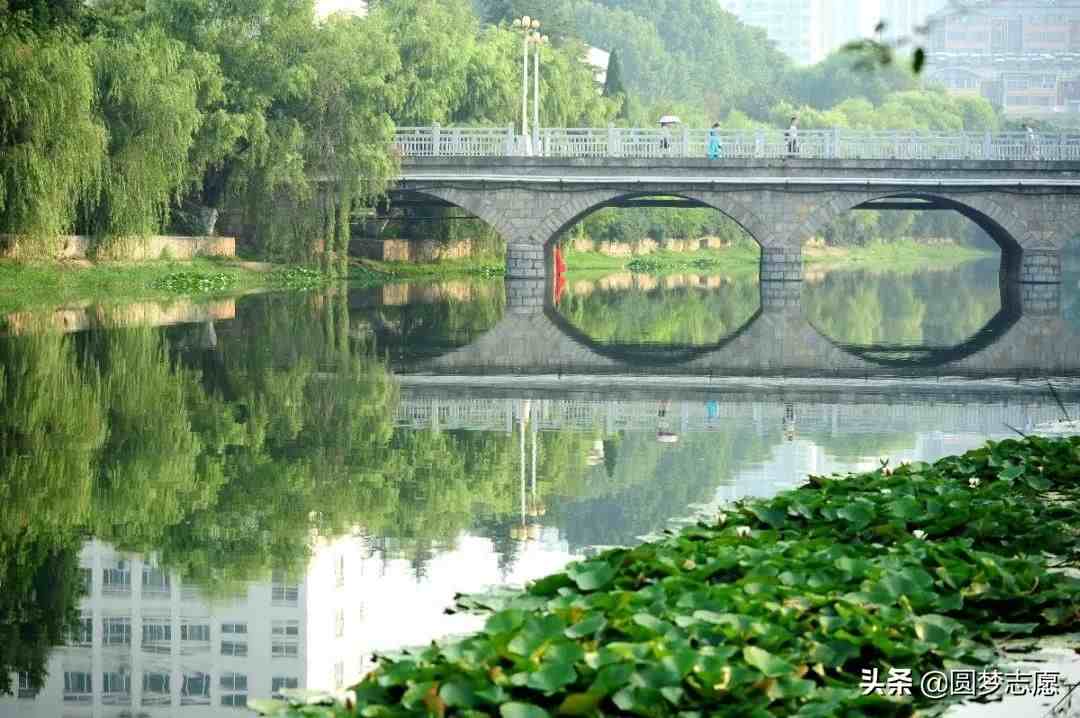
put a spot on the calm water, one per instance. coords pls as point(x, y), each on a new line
point(260, 493)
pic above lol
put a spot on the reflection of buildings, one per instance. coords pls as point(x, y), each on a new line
point(1022, 55)
point(362, 601)
point(149, 646)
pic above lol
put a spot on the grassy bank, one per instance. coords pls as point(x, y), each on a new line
point(777, 607)
point(369, 269)
point(50, 284)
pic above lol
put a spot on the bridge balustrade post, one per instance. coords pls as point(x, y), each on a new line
point(759, 144)
point(685, 141)
point(436, 140)
point(988, 145)
point(834, 153)
point(612, 141)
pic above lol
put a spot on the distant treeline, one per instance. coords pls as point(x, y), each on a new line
point(125, 118)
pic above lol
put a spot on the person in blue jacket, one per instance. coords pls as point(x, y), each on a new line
point(715, 148)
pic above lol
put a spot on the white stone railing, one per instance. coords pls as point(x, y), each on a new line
point(684, 142)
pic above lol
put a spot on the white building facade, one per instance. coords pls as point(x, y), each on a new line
point(150, 646)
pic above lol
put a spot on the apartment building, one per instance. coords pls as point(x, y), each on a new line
point(150, 646)
point(807, 31)
point(1022, 55)
point(906, 18)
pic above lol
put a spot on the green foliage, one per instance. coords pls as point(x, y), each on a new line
point(841, 77)
point(149, 89)
point(674, 53)
point(38, 606)
point(299, 278)
point(435, 39)
point(778, 607)
point(195, 282)
point(51, 141)
point(613, 83)
point(44, 15)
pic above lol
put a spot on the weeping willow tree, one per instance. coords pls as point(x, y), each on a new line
point(51, 142)
point(152, 91)
point(327, 149)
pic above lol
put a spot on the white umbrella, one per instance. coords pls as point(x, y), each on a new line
point(670, 120)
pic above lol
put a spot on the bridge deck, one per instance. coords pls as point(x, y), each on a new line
point(692, 171)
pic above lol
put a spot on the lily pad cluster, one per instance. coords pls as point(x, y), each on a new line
point(650, 265)
point(195, 282)
point(299, 277)
point(778, 607)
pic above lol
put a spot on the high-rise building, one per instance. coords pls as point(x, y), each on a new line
point(908, 18)
point(808, 30)
point(1022, 55)
point(794, 25)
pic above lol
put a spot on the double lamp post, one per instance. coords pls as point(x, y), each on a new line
point(531, 29)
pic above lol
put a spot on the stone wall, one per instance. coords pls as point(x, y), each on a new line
point(647, 246)
point(406, 250)
point(129, 248)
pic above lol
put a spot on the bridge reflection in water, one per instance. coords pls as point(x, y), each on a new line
point(1028, 337)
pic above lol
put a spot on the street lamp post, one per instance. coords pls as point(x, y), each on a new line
point(527, 25)
point(538, 40)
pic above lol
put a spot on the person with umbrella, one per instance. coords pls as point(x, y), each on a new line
point(666, 123)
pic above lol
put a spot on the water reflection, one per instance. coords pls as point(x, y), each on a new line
point(260, 502)
point(680, 309)
point(921, 308)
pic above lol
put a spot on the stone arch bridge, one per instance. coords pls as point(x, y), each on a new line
point(1030, 208)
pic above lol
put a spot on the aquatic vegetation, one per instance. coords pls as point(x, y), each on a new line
point(298, 278)
point(195, 282)
point(777, 607)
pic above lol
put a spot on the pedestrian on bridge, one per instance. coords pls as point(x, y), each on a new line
point(792, 136)
point(715, 149)
point(1031, 144)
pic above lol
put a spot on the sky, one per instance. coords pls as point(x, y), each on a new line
point(325, 7)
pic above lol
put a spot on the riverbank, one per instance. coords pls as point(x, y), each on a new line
point(746, 256)
point(807, 603)
point(50, 284)
point(373, 270)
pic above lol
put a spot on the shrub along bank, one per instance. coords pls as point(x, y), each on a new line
point(778, 607)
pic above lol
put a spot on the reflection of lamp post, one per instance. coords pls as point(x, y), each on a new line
point(526, 24)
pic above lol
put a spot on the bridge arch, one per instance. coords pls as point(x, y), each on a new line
point(561, 218)
point(1003, 223)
